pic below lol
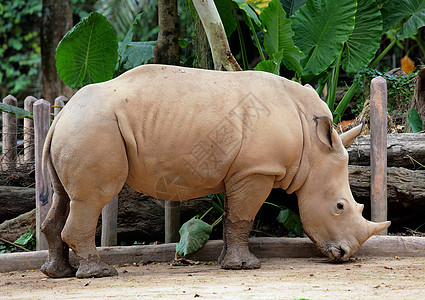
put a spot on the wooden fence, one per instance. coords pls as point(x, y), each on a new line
point(34, 135)
point(35, 131)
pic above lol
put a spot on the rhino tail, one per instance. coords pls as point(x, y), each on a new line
point(48, 168)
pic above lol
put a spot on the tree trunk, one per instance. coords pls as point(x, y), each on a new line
point(402, 150)
point(418, 101)
point(167, 50)
point(214, 29)
point(56, 22)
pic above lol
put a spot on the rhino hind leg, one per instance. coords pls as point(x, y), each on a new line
point(244, 199)
point(79, 234)
point(57, 264)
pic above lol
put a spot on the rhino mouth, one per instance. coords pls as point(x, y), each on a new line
point(337, 253)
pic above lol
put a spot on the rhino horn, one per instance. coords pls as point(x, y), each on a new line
point(375, 228)
point(349, 136)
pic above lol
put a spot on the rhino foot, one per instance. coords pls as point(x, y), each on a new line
point(95, 268)
point(56, 269)
point(236, 262)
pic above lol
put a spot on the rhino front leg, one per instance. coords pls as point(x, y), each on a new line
point(244, 199)
point(79, 234)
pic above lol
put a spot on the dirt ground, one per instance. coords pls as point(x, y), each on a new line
point(361, 278)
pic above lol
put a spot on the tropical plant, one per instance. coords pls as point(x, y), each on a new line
point(196, 232)
point(19, 45)
point(121, 14)
point(90, 53)
point(415, 121)
point(325, 35)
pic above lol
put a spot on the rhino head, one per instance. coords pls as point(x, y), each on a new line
point(331, 217)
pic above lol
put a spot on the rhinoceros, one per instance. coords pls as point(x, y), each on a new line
point(179, 133)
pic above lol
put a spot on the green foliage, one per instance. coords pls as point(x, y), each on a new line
point(133, 54)
point(415, 121)
point(363, 43)
point(19, 112)
point(278, 41)
point(137, 53)
point(245, 6)
point(291, 221)
point(20, 51)
point(321, 27)
point(225, 9)
point(27, 240)
point(292, 6)
point(88, 52)
point(406, 15)
point(121, 13)
point(271, 65)
point(193, 235)
point(400, 89)
point(19, 45)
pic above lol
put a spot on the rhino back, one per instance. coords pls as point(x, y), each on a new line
point(199, 127)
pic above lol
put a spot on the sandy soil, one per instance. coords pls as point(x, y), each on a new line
point(365, 278)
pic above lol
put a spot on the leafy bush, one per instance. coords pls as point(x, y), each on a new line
point(19, 45)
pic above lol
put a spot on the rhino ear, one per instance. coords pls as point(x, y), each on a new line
point(324, 130)
point(349, 136)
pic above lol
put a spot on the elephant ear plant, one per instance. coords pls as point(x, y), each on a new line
point(90, 53)
point(315, 38)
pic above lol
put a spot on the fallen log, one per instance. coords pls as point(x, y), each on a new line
point(15, 201)
point(403, 150)
point(406, 194)
point(12, 229)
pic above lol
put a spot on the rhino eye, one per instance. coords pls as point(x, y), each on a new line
point(340, 206)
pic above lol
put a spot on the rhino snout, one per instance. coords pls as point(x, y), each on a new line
point(338, 253)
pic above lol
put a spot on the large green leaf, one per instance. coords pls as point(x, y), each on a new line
point(249, 11)
point(122, 47)
point(88, 52)
point(365, 39)
point(415, 121)
point(271, 65)
point(193, 235)
point(278, 37)
point(17, 111)
point(416, 10)
point(121, 13)
point(291, 221)
point(395, 11)
point(258, 5)
point(321, 28)
point(138, 53)
point(291, 6)
point(225, 9)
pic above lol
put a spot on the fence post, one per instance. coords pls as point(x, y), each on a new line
point(59, 104)
point(172, 221)
point(43, 185)
point(109, 223)
point(10, 136)
point(29, 133)
point(378, 150)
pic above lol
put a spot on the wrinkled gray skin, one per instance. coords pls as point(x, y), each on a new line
point(179, 133)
